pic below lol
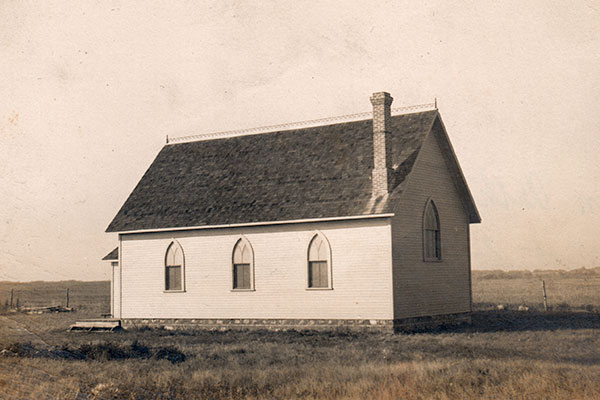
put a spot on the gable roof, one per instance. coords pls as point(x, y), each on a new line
point(455, 171)
point(317, 172)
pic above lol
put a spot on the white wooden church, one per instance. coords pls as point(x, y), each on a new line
point(362, 223)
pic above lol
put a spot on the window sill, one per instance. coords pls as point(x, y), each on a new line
point(432, 260)
point(243, 290)
point(319, 288)
point(173, 291)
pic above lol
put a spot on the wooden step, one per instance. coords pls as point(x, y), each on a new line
point(89, 325)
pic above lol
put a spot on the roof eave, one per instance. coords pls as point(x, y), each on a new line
point(250, 224)
point(473, 212)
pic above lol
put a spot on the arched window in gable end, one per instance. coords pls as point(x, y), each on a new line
point(432, 245)
point(243, 265)
point(174, 267)
point(319, 263)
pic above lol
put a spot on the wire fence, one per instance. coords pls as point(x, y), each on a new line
point(73, 294)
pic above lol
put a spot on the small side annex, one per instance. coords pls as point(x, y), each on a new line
point(355, 224)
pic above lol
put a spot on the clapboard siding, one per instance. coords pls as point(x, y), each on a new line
point(361, 263)
point(430, 288)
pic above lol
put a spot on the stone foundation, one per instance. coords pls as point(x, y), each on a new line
point(387, 325)
point(269, 324)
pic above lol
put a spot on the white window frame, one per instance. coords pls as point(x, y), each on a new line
point(242, 239)
point(329, 263)
point(173, 242)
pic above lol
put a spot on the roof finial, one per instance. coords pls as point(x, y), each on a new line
point(167, 139)
point(435, 102)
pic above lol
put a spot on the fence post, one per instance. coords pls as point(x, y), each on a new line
point(67, 297)
point(545, 299)
point(11, 298)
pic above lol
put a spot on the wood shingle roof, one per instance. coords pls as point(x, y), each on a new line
point(317, 172)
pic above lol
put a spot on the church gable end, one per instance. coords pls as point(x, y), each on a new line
point(430, 235)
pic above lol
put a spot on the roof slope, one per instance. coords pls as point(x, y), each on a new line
point(304, 173)
point(112, 256)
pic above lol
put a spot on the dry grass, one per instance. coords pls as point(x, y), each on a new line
point(503, 355)
point(431, 379)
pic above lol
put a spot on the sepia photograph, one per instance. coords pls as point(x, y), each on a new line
point(367, 199)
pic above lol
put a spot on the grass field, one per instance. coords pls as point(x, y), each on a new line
point(566, 290)
point(505, 354)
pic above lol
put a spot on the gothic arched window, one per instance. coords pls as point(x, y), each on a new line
point(243, 265)
point(174, 267)
point(432, 246)
point(319, 263)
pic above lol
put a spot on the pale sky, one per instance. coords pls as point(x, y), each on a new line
point(90, 89)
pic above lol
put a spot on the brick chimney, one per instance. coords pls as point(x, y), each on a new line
point(382, 158)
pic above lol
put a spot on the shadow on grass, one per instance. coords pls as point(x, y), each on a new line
point(103, 351)
point(482, 321)
point(517, 321)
